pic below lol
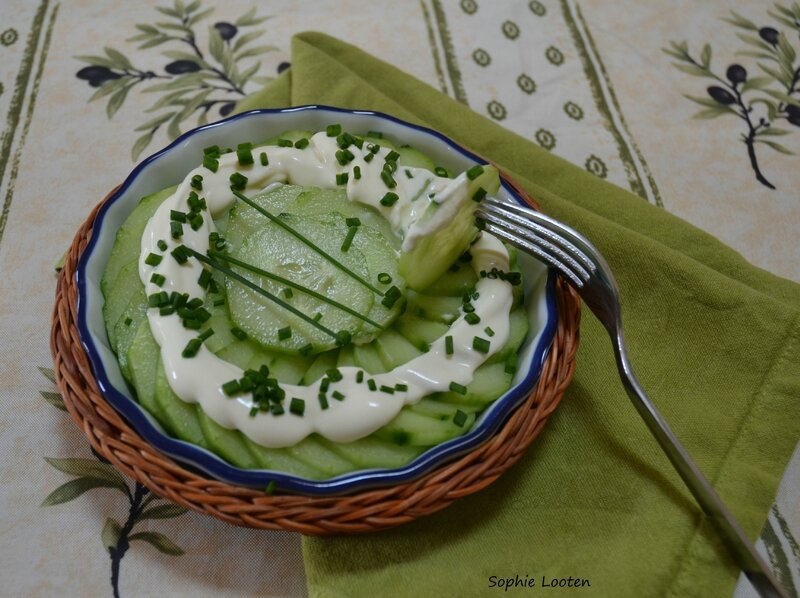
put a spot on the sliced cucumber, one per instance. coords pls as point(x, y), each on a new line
point(394, 349)
point(313, 453)
point(144, 357)
point(434, 253)
point(179, 417)
point(244, 219)
point(322, 363)
point(228, 444)
point(414, 158)
point(488, 383)
point(518, 330)
point(456, 281)
point(371, 452)
point(415, 429)
point(127, 326)
point(367, 358)
point(432, 307)
point(280, 460)
point(420, 332)
point(119, 295)
point(289, 369)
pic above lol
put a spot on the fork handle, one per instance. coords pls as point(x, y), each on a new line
point(739, 545)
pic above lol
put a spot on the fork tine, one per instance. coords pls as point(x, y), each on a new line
point(575, 246)
point(538, 246)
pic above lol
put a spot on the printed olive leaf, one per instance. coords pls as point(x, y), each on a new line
point(89, 468)
point(705, 56)
point(54, 399)
point(707, 102)
point(782, 97)
point(752, 54)
point(772, 107)
point(186, 80)
point(159, 541)
point(777, 75)
point(756, 83)
point(170, 99)
point(780, 19)
point(118, 59)
point(786, 50)
point(111, 533)
point(116, 100)
point(794, 12)
point(740, 21)
point(256, 51)
point(777, 558)
point(247, 73)
point(109, 87)
point(692, 69)
point(48, 373)
point(249, 18)
point(246, 38)
point(773, 132)
point(776, 146)
point(787, 533)
point(95, 60)
point(178, 55)
point(74, 488)
point(200, 16)
point(216, 47)
point(713, 112)
point(167, 511)
point(171, 12)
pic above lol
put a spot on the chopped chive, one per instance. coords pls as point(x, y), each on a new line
point(468, 308)
point(195, 221)
point(205, 278)
point(360, 376)
point(368, 158)
point(472, 318)
point(192, 324)
point(239, 333)
point(244, 154)
point(218, 302)
point(285, 143)
point(323, 401)
point(344, 156)
point(238, 181)
point(481, 345)
point(301, 143)
point(175, 230)
point(356, 172)
point(306, 350)
point(317, 316)
point(401, 387)
point(263, 158)
point(391, 296)
point(324, 384)
point(460, 418)
point(287, 292)
point(162, 244)
point(352, 222)
point(197, 182)
point(474, 172)
point(180, 254)
point(348, 240)
point(297, 406)
point(341, 178)
point(448, 345)
point(388, 180)
point(270, 489)
point(158, 279)
point(153, 259)
point(389, 199)
point(371, 384)
point(333, 130)
point(375, 134)
point(207, 333)
point(343, 338)
point(389, 390)
point(384, 278)
point(231, 388)
point(276, 409)
point(441, 171)
point(211, 150)
point(337, 395)
point(511, 364)
point(128, 321)
point(167, 310)
point(458, 388)
point(194, 303)
point(489, 332)
point(192, 347)
point(334, 374)
point(210, 163)
point(177, 216)
point(479, 194)
point(285, 333)
point(392, 156)
point(390, 167)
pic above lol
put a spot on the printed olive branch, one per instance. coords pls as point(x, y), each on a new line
point(194, 81)
point(99, 473)
point(738, 94)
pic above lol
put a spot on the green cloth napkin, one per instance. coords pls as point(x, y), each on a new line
point(714, 340)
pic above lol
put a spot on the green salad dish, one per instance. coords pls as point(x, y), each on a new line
point(312, 309)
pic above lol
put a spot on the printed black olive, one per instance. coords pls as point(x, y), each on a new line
point(226, 108)
point(723, 96)
point(283, 66)
point(179, 67)
point(736, 74)
point(226, 30)
point(769, 35)
point(96, 75)
point(794, 114)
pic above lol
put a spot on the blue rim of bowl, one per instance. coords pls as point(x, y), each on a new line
point(214, 465)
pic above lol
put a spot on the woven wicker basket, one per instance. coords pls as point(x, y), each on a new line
point(370, 510)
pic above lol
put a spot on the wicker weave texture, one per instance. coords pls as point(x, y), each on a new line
point(370, 510)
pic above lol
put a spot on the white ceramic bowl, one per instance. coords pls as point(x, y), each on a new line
point(168, 167)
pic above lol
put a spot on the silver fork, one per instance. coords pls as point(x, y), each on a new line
point(581, 263)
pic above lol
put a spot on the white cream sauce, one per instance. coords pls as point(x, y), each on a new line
point(199, 379)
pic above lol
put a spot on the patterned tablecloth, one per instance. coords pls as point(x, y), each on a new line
point(691, 106)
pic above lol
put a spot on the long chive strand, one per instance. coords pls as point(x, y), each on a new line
point(306, 241)
point(251, 285)
point(294, 285)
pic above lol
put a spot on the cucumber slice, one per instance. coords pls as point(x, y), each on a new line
point(434, 253)
point(313, 453)
point(321, 364)
point(293, 136)
point(488, 383)
point(454, 282)
point(178, 417)
point(127, 245)
point(289, 369)
point(228, 444)
point(367, 358)
point(415, 429)
point(431, 307)
point(394, 349)
point(373, 453)
point(119, 295)
point(144, 358)
point(421, 333)
point(518, 330)
point(127, 326)
point(439, 410)
point(242, 353)
point(277, 251)
point(280, 460)
point(244, 219)
point(411, 157)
